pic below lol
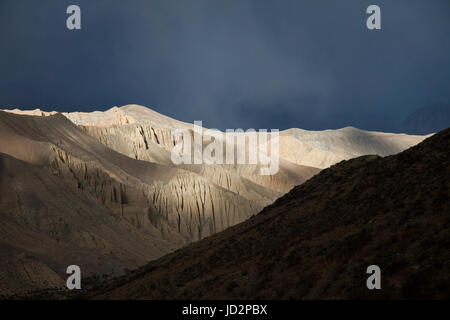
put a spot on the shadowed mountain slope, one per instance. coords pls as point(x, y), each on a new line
point(48, 224)
point(318, 240)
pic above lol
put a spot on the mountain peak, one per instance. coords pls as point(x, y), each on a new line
point(427, 120)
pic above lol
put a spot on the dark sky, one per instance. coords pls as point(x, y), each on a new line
point(231, 63)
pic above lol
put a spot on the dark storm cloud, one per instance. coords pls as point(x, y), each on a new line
point(262, 64)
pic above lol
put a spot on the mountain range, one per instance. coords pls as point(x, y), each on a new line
point(99, 189)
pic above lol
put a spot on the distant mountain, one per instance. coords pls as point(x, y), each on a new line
point(112, 170)
point(322, 149)
point(318, 240)
point(428, 120)
point(144, 134)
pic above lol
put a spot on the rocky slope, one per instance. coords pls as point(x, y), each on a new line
point(154, 207)
point(48, 224)
point(318, 240)
point(136, 190)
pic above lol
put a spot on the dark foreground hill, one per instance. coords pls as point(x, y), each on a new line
point(318, 240)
